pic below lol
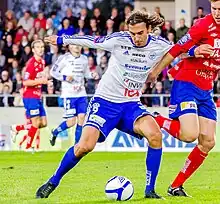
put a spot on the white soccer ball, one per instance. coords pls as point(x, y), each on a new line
point(119, 188)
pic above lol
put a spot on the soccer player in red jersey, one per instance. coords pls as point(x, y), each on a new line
point(34, 77)
point(191, 106)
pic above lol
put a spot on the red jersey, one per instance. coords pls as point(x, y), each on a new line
point(200, 71)
point(34, 70)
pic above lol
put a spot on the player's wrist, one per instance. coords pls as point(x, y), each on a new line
point(191, 51)
point(59, 40)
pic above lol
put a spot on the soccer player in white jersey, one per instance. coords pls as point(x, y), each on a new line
point(116, 103)
point(72, 69)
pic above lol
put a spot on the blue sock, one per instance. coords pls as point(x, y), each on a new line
point(63, 126)
point(68, 162)
point(78, 133)
point(153, 164)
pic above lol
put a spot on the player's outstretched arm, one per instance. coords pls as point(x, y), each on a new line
point(104, 42)
point(35, 82)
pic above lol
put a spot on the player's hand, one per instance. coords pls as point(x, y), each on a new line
point(69, 79)
point(152, 78)
point(202, 50)
point(95, 75)
point(51, 39)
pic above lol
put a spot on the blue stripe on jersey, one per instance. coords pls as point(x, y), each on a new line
point(164, 40)
point(85, 37)
point(117, 34)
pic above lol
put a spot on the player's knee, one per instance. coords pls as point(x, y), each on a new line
point(207, 145)
point(43, 125)
point(189, 136)
point(80, 119)
point(155, 139)
point(81, 149)
point(71, 121)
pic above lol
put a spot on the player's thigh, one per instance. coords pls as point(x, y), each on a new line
point(36, 121)
point(148, 128)
point(43, 122)
point(88, 140)
point(207, 135)
point(138, 122)
point(189, 127)
point(80, 118)
point(103, 115)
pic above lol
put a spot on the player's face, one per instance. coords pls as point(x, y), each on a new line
point(75, 49)
point(139, 33)
point(38, 49)
point(215, 9)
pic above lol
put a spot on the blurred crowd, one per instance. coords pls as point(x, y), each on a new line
point(16, 36)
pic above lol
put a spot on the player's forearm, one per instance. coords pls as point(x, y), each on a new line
point(84, 41)
point(31, 82)
point(165, 61)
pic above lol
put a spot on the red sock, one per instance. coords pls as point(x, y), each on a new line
point(171, 126)
point(23, 127)
point(38, 141)
point(22, 141)
point(30, 136)
point(193, 162)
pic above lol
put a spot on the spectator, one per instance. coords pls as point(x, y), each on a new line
point(55, 19)
point(67, 29)
point(200, 14)
point(13, 69)
point(5, 81)
point(127, 10)
point(84, 17)
point(116, 18)
point(2, 60)
point(50, 29)
point(86, 51)
point(94, 31)
point(7, 49)
point(109, 27)
point(41, 19)
point(91, 83)
point(157, 11)
point(9, 16)
point(171, 37)
point(26, 55)
point(182, 30)
point(99, 54)
point(158, 90)
point(102, 67)
point(19, 35)
point(73, 21)
point(82, 30)
point(9, 30)
point(38, 30)
point(100, 19)
point(26, 21)
point(168, 29)
point(15, 55)
point(17, 84)
point(24, 43)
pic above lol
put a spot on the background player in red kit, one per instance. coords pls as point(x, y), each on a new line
point(191, 106)
point(34, 77)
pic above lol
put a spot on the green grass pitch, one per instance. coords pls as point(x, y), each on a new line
point(21, 173)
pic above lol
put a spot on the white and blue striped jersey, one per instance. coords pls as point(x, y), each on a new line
point(77, 67)
point(128, 66)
